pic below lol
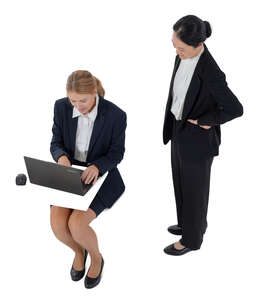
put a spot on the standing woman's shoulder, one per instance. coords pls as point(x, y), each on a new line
point(212, 68)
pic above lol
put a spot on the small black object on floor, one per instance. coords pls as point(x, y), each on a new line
point(21, 179)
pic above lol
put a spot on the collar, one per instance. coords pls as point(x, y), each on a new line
point(90, 115)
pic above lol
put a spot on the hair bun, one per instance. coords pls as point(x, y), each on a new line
point(208, 29)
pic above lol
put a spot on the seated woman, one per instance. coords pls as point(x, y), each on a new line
point(87, 131)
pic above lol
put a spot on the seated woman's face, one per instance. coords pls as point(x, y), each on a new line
point(84, 103)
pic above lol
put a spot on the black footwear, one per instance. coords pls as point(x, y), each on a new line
point(175, 229)
point(77, 275)
point(90, 282)
point(171, 250)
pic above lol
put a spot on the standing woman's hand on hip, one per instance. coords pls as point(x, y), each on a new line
point(64, 161)
point(196, 123)
point(89, 174)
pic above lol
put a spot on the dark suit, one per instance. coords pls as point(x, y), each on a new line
point(106, 148)
point(210, 101)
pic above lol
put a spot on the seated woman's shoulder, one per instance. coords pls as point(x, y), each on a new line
point(62, 104)
point(113, 108)
point(62, 101)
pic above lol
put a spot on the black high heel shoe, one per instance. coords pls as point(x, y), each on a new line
point(90, 282)
point(77, 275)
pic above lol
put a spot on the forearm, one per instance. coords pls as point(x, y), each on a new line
point(228, 106)
point(220, 116)
point(57, 151)
point(107, 162)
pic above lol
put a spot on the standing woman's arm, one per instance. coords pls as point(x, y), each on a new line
point(56, 145)
point(117, 147)
point(228, 106)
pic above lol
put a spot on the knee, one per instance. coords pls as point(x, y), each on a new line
point(58, 221)
point(74, 225)
point(77, 224)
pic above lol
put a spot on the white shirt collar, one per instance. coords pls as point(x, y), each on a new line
point(90, 115)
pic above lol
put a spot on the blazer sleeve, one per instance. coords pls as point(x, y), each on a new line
point(57, 146)
point(116, 149)
point(228, 106)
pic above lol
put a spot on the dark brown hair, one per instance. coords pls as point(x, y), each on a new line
point(83, 82)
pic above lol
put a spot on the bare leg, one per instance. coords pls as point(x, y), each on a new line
point(59, 217)
point(85, 236)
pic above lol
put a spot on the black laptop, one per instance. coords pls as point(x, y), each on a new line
point(56, 176)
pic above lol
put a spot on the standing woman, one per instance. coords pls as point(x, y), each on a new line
point(199, 101)
point(87, 131)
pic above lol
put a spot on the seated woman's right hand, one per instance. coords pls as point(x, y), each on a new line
point(64, 161)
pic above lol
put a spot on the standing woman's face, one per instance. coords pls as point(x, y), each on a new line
point(183, 50)
point(84, 103)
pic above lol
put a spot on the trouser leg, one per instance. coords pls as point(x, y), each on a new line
point(175, 163)
point(195, 192)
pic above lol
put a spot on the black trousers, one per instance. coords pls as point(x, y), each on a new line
point(191, 180)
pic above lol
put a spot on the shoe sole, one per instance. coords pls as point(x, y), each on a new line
point(175, 232)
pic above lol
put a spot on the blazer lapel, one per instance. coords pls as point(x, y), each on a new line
point(194, 86)
point(73, 128)
point(170, 98)
point(98, 125)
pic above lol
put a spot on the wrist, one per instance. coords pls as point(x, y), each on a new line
point(95, 167)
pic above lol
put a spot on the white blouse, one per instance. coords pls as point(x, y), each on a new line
point(84, 131)
point(181, 83)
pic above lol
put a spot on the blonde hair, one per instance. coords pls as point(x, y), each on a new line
point(83, 82)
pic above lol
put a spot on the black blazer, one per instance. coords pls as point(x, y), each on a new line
point(210, 101)
point(106, 148)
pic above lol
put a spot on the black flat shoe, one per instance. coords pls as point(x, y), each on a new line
point(77, 275)
point(175, 229)
point(171, 250)
point(90, 282)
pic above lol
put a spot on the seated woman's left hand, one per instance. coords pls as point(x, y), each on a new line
point(89, 174)
point(196, 123)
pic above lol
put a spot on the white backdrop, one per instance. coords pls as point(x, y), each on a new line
point(127, 45)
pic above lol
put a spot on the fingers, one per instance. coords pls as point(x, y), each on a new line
point(205, 126)
point(192, 121)
point(84, 175)
point(89, 175)
point(195, 122)
point(64, 161)
point(90, 178)
point(95, 179)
